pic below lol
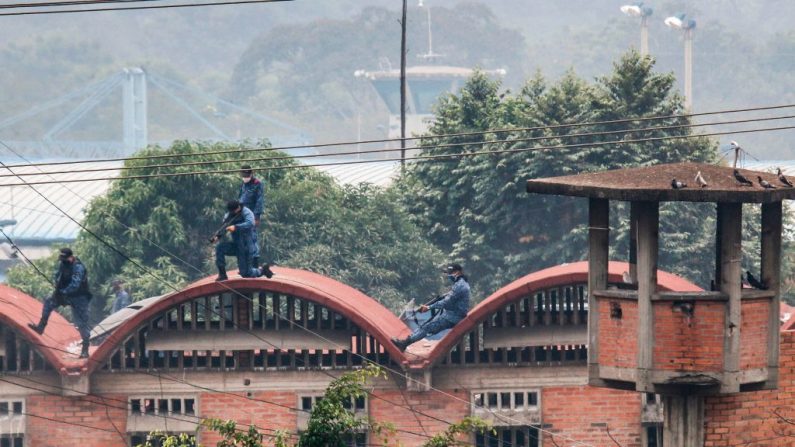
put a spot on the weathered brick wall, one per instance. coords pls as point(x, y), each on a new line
point(254, 410)
point(688, 343)
point(433, 404)
point(753, 336)
point(749, 419)
point(585, 414)
point(618, 336)
point(75, 421)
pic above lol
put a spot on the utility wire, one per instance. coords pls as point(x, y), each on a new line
point(133, 8)
point(67, 3)
point(409, 408)
point(418, 159)
point(377, 151)
point(425, 137)
point(365, 359)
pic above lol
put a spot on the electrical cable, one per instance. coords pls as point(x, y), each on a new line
point(377, 151)
point(425, 137)
point(274, 311)
point(418, 159)
point(238, 293)
point(134, 8)
point(67, 3)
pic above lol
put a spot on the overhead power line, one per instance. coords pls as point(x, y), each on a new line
point(425, 137)
point(387, 150)
point(418, 159)
point(364, 359)
point(133, 8)
point(67, 3)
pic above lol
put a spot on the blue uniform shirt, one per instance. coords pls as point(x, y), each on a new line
point(252, 196)
point(456, 301)
point(78, 275)
point(244, 235)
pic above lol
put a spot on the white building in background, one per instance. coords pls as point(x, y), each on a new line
point(40, 226)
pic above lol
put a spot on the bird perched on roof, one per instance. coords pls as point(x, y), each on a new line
point(783, 178)
point(764, 183)
point(753, 282)
point(700, 180)
point(741, 179)
point(676, 184)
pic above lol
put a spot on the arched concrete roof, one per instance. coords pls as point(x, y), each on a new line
point(17, 309)
point(365, 312)
point(543, 279)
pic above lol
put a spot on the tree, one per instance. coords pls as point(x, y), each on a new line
point(361, 236)
point(331, 422)
point(476, 209)
point(306, 69)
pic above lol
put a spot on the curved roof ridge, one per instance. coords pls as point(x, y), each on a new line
point(364, 311)
point(550, 277)
point(17, 309)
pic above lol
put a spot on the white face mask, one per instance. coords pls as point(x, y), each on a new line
point(246, 179)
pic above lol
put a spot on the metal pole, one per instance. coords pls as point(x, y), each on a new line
point(403, 86)
point(644, 36)
point(689, 70)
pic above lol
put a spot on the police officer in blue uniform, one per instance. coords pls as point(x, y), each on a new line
point(239, 222)
point(71, 289)
point(252, 196)
point(454, 306)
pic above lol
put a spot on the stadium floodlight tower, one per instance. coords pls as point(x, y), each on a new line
point(687, 26)
point(644, 12)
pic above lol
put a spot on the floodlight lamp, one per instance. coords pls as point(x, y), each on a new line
point(679, 22)
point(636, 10)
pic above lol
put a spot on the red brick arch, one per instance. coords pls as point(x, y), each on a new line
point(565, 274)
point(17, 309)
point(365, 312)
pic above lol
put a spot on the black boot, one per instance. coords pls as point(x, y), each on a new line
point(256, 262)
point(266, 271)
point(84, 351)
point(221, 274)
point(38, 328)
point(401, 344)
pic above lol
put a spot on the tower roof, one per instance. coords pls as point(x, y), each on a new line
point(653, 183)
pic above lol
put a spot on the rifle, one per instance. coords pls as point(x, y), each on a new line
point(231, 220)
point(434, 312)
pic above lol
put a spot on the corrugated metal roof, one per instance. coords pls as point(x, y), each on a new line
point(376, 173)
point(36, 219)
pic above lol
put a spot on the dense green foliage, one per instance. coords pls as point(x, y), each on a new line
point(361, 236)
point(331, 423)
point(476, 208)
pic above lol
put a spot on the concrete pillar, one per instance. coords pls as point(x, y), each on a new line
point(648, 237)
point(633, 243)
point(598, 251)
point(771, 277)
point(730, 216)
point(684, 421)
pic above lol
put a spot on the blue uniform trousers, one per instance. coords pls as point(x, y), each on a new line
point(245, 259)
point(434, 326)
point(79, 313)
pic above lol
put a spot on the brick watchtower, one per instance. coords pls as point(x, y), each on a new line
point(681, 345)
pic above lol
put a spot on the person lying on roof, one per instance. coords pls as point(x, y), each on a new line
point(454, 306)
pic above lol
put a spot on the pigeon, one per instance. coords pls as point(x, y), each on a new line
point(742, 180)
point(734, 145)
point(676, 184)
point(783, 178)
point(753, 282)
point(764, 183)
point(700, 180)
